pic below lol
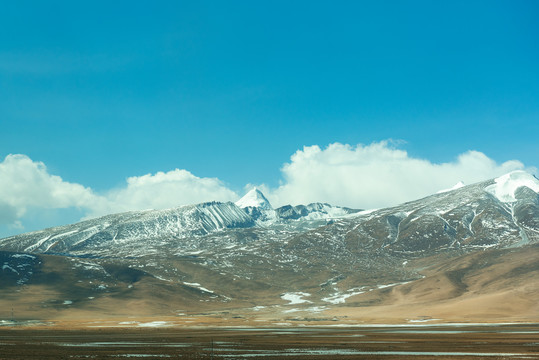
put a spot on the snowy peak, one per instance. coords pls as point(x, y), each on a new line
point(505, 186)
point(254, 198)
point(454, 187)
point(255, 204)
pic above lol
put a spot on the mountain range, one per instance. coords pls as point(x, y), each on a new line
point(467, 253)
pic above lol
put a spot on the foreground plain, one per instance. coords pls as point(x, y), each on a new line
point(456, 342)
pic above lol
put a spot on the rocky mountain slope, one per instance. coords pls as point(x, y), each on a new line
point(291, 262)
point(147, 232)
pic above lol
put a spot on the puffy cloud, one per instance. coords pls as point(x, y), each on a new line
point(376, 175)
point(164, 190)
point(8, 214)
point(25, 183)
point(361, 176)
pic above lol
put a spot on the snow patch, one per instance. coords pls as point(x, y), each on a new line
point(6, 266)
point(505, 186)
point(291, 310)
point(391, 285)
point(23, 256)
point(422, 320)
point(295, 298)
point(338, 298)
point(198, 286)
point(155, 324)
point(316, 309)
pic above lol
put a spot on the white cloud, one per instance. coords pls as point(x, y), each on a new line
point(375, 175)
point(164, 190)
point(361, 176)
point(25, 184)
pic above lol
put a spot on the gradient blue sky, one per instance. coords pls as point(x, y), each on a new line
point(101, 91)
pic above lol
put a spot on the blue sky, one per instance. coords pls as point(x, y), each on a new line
point(98, 92)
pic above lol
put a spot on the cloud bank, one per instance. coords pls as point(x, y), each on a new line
point(360, 176)
point(164, 190)
point(26, 184)
point(376, 175)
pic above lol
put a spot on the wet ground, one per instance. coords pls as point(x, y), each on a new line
point(364, 342)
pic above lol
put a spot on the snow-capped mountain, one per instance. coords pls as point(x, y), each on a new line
point(133, 233)
point(248, 253)
point(254, 199)
point(310, 215)
point(257, 206)
point(505, 187)
point(140, 233)
point(499, 212)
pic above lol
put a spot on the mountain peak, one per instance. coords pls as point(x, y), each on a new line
point(454, 187)
point(254, 198)
point(504, 187)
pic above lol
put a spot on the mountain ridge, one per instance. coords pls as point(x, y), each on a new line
point(305, 262)
point(176, 223)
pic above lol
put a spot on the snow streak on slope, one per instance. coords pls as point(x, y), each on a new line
point(135, 232)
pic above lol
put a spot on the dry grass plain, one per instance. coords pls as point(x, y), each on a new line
point(415, 320)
